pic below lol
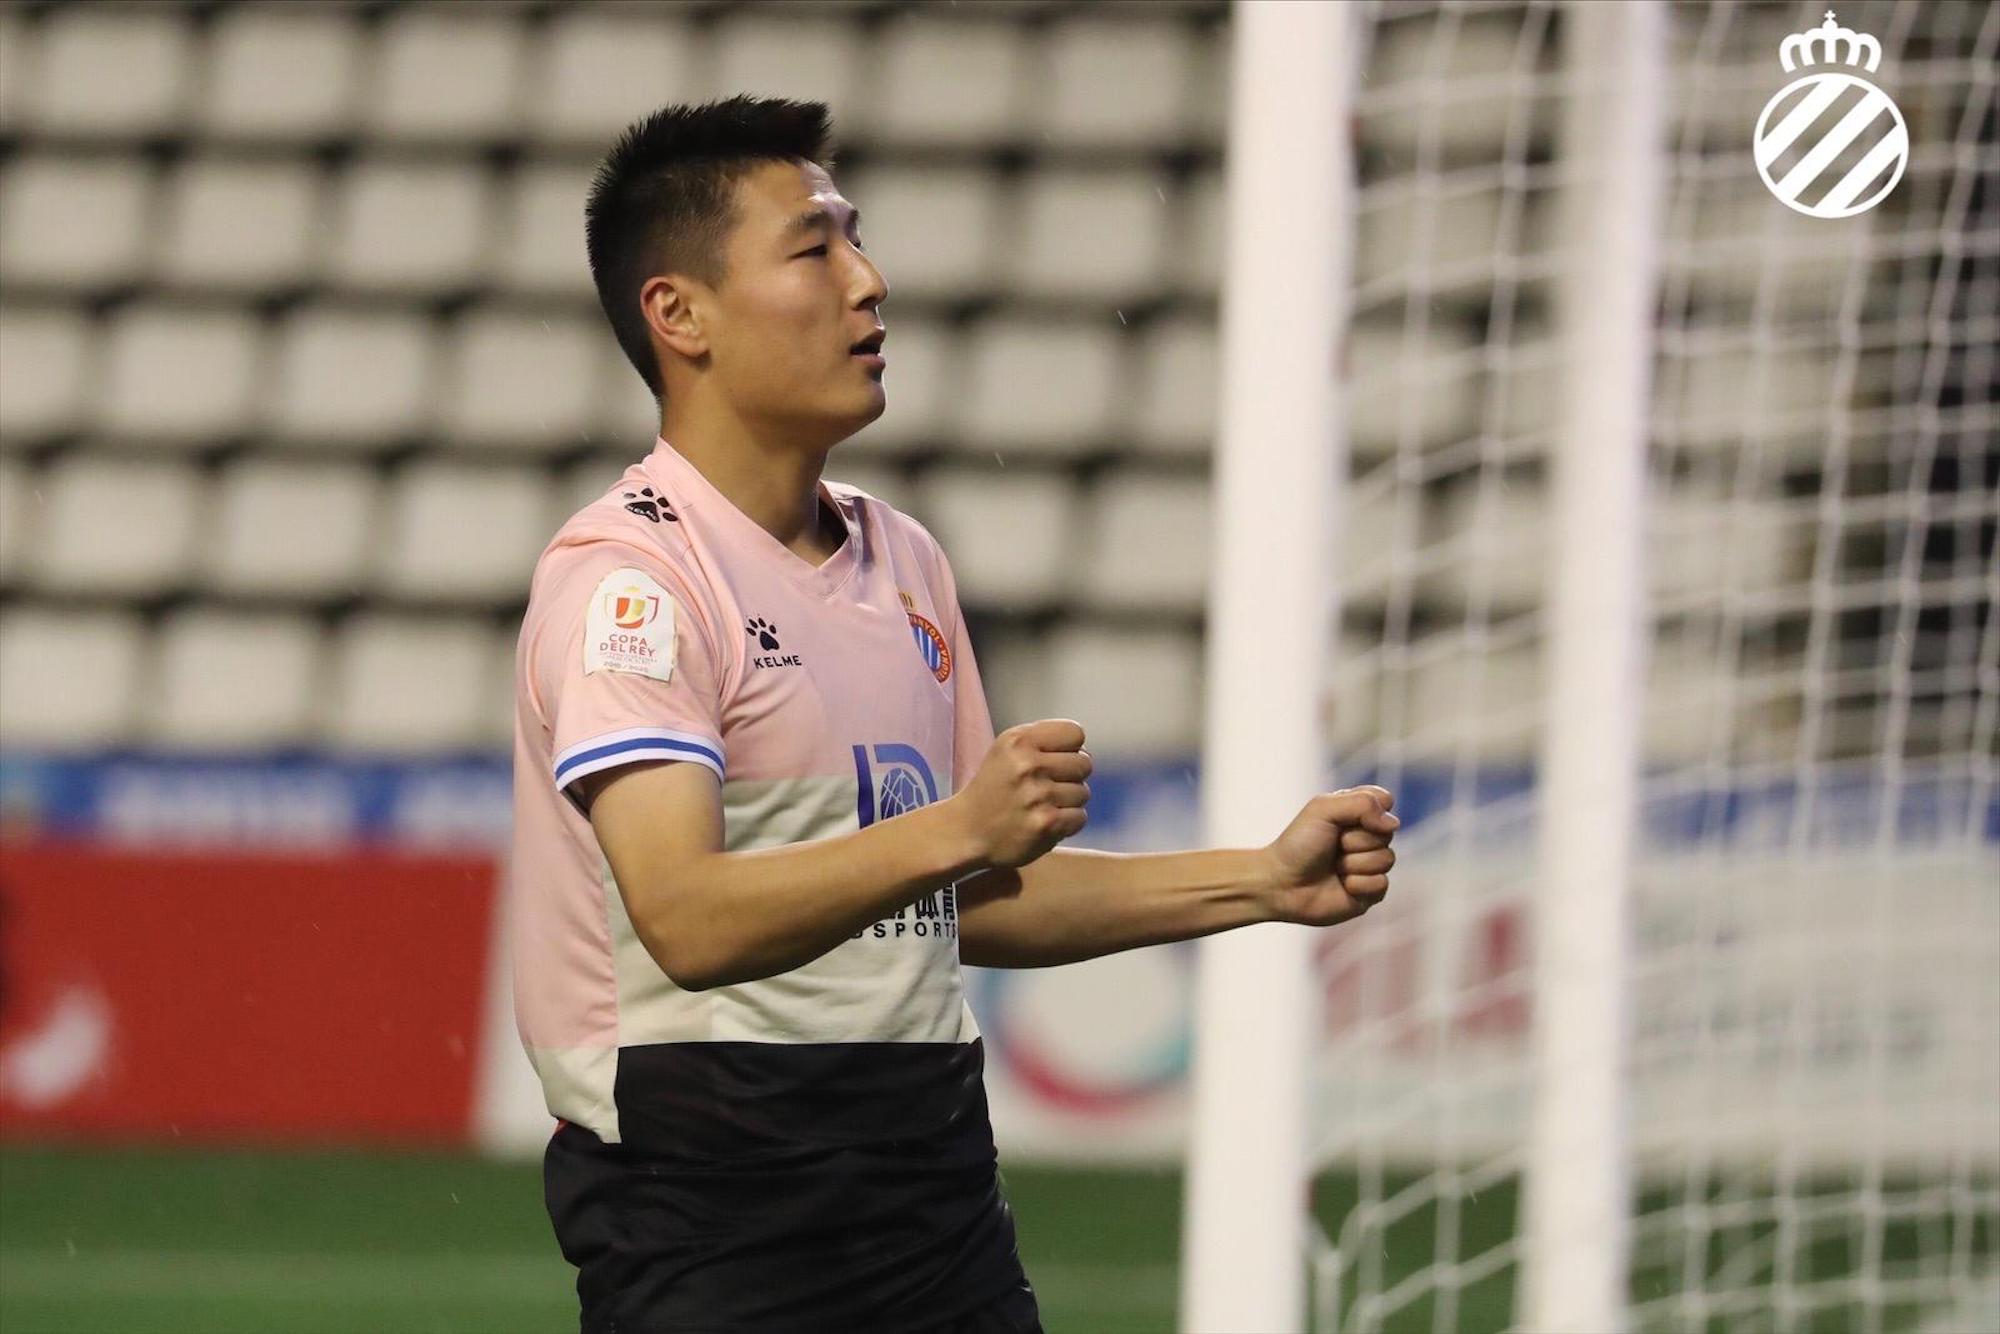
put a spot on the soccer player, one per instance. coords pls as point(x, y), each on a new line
point(760, 813)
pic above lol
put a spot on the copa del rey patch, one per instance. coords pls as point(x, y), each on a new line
point(630, 627)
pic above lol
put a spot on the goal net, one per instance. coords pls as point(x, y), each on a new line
point(1813, 1072)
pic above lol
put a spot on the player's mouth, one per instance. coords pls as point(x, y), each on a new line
point(868, 351)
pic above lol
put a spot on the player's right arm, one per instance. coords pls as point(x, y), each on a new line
point(710, 917)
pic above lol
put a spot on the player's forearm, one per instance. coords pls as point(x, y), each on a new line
point(765, 911)
point(1073, 904)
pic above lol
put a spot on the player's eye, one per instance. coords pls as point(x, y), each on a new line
point(816, 250)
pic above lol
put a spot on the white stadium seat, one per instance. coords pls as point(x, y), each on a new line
point(540, 247)
point(496, 714)
point(282, 73)
point(240, 224)
point(948, 80)
point(69, 680)
point(235, 681)
point(17, 63)
point(179, 375)
point(291, 528)
point(1477, 82)
point(1490, 546)
point(1200, 218)
point(350, 377)
point(1014, 669)
point(1047, 387)
point(45, 358)
point(19, 517)
point(1447, 239)
point(627, 417)
point(410, 684)
point(1419, 397)
point(919, 383)
point(787, 55)
point(585, 482)
point(1461, 700)
point(932, 231)
point(1179, 373)
point(77, 222)
point(1148, 542)
point(124, 527)
point(111, 70)
point(598, 71)
point(408, 226)
point(521, 381)
point(459, 532)
point(446, 74)
point(887, 484)
point(1090, 233)
point(1115, 83)
point(1136, 692)
point(1011, 536)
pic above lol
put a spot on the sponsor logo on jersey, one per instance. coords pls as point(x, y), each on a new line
point(629, 626)
point(930, 644)
point(766, 635)
point(649, 506)
point(891, 779)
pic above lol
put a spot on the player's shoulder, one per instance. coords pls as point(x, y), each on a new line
point(629, 523)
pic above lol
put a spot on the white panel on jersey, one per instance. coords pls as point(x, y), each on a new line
point(1492, 546)
point(174, 374)
point(350, 376)
point(1048, 387)
point(597, 72)
point(1090, 234)
point(285, 73)
point(520, 381)
point(920, 383)
point(445, 75)
point(1200, 219)
point(1466, 701)
point(1179, 370)
point(1136, 692)
point(408, 226)
point(229, 680)
point(1010, 536)
point(81, 222)
point(20, 512)
point(1473, 80)
point(111, 71)
point(930, 230)
point(1115, 83)
point(1148, 542)
point(285, 527)
point(949, 80)
point(457, 531)
point(240, 224)
point(45, 358)
point(789, 56)
point(410, 684)
point(540, 247)
point(1416, 396)
point(69, 680)
point(121, 527)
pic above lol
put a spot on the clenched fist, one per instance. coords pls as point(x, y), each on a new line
point(1332, 862)
point(1029, 792)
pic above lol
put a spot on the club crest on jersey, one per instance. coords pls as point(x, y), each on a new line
point(630, 626)
point(930, 644)
point(897, 779)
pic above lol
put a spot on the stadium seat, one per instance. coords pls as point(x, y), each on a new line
point(585, 481)
point(1180, 366)
point(932, 230)
point(1148, 542)
point(1014, 670)
point(1715, 393)
point(123, 527)
point(1115, 83)
point(239, 224)
point(175, 375)
point(1051, 388)
point(1492, 545)
point(627, 418)
point(1199, 217)
point(1456, 89)
point(233, 681)
point(351, 377)
point(45, 359)
point(496, 713)
point(410, 685)
point(408, 226)
point(1701, 705)
point(948, 80)
point(1136, 692)
point(448, 75)
point(1090, 234)
point(279, 73)
point(1461, 702)
point(1709, 549)
point(1011, 536)
point(883, 481)
point(520, 382)
point(597, 71)
point(540, 247)
point(76, 222)
point(18, 515)
point(1732, 250)
point(16, 66)
point(111, 70)
point(291, 528)
point(69, 679)
point(1451, 239)
point(1417, 397)
point(788, 55)
point(458, 532)
point(919, 383)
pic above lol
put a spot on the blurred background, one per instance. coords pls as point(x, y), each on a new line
point(300, 367)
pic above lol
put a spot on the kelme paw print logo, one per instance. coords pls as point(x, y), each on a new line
point(765, 633)
point(653, 507)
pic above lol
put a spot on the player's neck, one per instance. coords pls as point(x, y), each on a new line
point(775, 483)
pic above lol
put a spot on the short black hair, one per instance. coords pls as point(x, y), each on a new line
point(662, 200)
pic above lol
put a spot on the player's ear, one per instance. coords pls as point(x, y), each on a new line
point(673, 318)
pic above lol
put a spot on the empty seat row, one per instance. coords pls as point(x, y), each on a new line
point(1142, 78)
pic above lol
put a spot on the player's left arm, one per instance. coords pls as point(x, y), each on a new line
point(1330, 865)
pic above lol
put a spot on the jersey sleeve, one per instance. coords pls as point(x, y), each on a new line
point(628, 667)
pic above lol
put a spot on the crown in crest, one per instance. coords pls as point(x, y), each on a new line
point(1827, 40)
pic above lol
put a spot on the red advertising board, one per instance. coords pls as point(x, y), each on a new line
point(240, 997)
